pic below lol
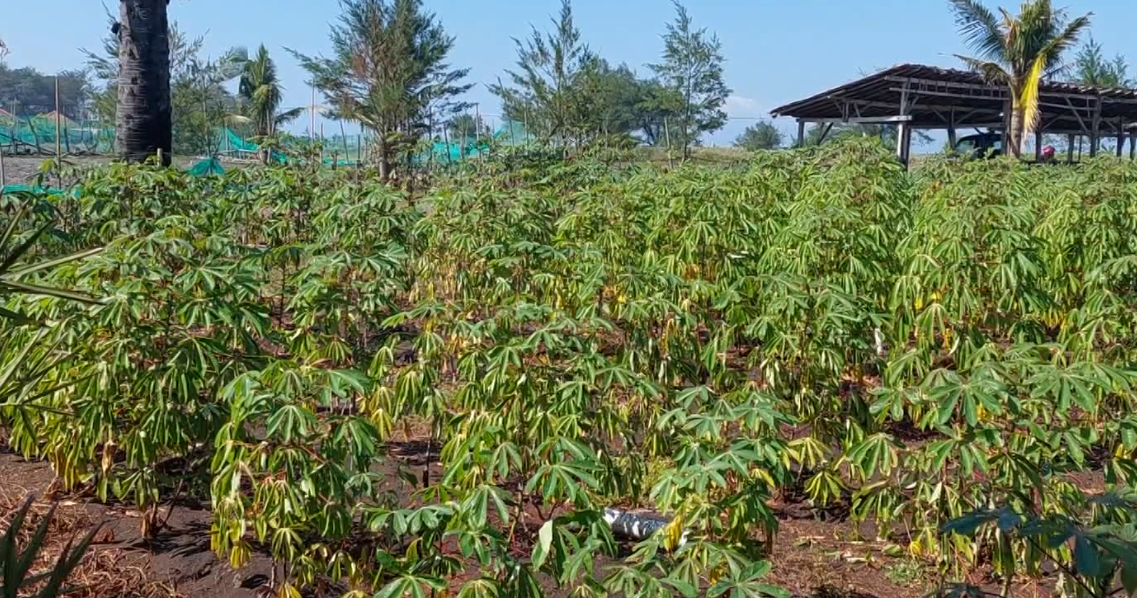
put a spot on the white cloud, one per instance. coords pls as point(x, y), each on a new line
point(742, 106)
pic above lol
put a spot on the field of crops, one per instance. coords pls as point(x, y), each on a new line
point(947, 355)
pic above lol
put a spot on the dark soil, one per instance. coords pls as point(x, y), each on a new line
point(176, 563)
point(815, 555)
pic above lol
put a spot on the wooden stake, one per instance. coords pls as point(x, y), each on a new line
point(58, 145)
point(35, 136)
point(667, 136)
point(346, 151)
point(430, 137)
point(462, 144)
point(1095, 135)
point(446, 140)
point(58, 123)
point(477, 121)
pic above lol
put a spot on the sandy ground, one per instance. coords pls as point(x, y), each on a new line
point(23, 170)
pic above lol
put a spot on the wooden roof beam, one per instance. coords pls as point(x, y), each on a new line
point(890, 105)
point(868, 120)
point(995, 89)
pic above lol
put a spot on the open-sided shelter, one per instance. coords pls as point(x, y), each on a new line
point(913, 96)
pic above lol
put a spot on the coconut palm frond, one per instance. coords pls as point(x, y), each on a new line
point(237, 120)
point(1064, 40)
point(991, 72)
point(288, 116)
point(1029, 96)
point(980, 28)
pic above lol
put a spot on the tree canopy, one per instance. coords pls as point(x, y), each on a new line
point(692, 70)
point(761, 136)
point(1091, 67)
point(261, 94)
point(27, 92)
point(389, 71)
point(547, 89)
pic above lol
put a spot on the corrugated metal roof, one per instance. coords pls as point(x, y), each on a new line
point(879, 95)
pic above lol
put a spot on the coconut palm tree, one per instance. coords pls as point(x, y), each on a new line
point(143, 118)
point(1018, 51)
point(260, 94)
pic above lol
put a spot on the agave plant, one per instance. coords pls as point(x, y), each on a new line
point(16, 577)
point(13, 250)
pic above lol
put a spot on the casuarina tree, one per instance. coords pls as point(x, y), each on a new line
point(1090, 67)
point(692, 68)
point(547, 89)
point(389, 71)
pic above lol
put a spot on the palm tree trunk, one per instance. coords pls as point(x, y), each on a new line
point(1017, 132)
point(143, 119)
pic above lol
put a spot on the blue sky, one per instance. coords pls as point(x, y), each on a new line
point(777, 50)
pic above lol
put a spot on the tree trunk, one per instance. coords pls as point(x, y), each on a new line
point(384, 156)
point(143, 119)
point(1017, 132)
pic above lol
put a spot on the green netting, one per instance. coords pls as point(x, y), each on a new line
point(37, 133)
point(38, 190)
point(447, 153)
point(512, 132)
point(234, 142)
point(207, 167)
point(31, 135)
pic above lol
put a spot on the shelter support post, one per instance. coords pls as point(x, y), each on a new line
point(1038, 143)
point(1120, 137)
point(951, 136)
point(800, 133)
point(900, 132)
point(903, 129)
point(825, 129)
point(1133, 144)
point(1070, 149)
point(904, 142)
point(1095, 132)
